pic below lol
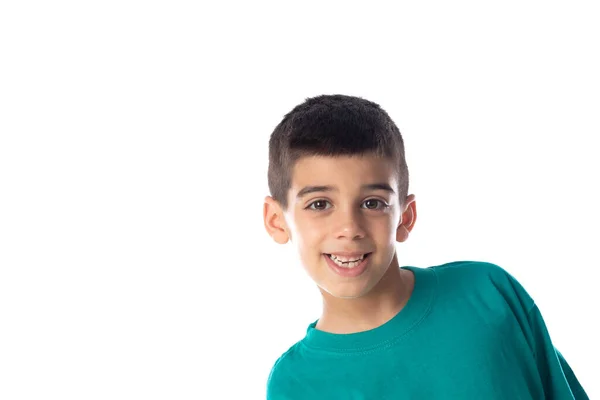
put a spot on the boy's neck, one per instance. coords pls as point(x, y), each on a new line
point(384, 301)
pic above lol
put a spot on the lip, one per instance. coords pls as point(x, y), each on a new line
point(348, 272)
point(349, 254)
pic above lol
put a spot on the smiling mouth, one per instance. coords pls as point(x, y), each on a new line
point(364, 256)
point(348, 269)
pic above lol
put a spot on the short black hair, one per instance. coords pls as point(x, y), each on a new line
point(333, 125)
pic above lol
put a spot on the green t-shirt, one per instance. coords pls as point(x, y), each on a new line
point(468, 331)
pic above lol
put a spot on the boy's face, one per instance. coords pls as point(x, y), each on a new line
point(348, 217)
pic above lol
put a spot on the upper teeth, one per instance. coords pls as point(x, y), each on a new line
point(346, 259)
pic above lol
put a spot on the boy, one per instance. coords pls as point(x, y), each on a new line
point(462, 330)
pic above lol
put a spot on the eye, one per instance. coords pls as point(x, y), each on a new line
point(375, 201)
point(319, 205)
point(310, 206)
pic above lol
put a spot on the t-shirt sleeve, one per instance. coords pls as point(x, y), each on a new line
point(574, 384)
point(272, 390)
point(557, 376)
point(278, 382)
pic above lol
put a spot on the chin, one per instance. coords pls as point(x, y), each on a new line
point(350, 297)
point(344, 293)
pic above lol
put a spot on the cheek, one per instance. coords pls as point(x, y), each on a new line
point(308, 230)
point(305, 238)
point(383, 227)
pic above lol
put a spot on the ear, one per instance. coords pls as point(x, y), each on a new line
point(409, 217)
point(274, 221)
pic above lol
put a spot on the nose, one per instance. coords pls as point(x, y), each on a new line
point(349, 225)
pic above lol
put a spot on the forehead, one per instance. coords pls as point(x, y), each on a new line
point(348, 171)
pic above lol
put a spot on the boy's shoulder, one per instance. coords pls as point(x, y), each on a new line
point(480, 280)
point(480, 268)
point(470, 272)
point(282, 368)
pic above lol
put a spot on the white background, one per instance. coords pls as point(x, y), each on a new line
point(134, 263)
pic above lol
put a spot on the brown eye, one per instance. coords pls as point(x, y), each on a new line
point(317, 205)
point(374, 203)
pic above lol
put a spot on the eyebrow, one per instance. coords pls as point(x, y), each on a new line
point(372, 186)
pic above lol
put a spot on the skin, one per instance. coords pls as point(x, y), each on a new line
point(348, 219)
